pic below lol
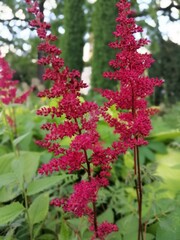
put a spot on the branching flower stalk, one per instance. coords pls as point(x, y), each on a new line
point(133, 123)
point(74, 119)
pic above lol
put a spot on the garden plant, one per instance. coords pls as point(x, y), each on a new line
point(96, 179)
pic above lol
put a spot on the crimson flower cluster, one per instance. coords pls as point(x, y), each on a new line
point(133, 122)
point(8, 86)
point(8, 90)
point(74, 119)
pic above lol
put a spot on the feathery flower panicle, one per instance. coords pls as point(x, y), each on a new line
point(79, 126)
point(9, 96)
point(133, 123)
point(8, 86)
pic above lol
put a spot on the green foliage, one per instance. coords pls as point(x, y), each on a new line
point(19, 181)
point(169, 170)
point(108, 214)
point(106, 133)
point(128, 227)
point(165, 136)
point(168, 227)
point(25, 167)
point(172, 116)
point(17, 175)
point(16, 172)
point(9, 212)
point(72, 41)
point(167, 68)
point(19, 65)
point(39, 209)
point(117, 203)
point(65, 230)
point(6, 179)
point(103, 25)
point(42, 184)
point(27, 127)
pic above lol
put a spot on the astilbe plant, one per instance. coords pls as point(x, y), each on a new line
point(8, 94)
point(85, 151)
point(133, 122)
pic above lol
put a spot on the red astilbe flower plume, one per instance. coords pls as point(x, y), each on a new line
point(134, 124)
point(8, 86)
point(133, 121)
point(8, 92)
point(85, 151)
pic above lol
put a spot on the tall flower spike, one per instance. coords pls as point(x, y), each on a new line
point(133, 122)
point(85, 151)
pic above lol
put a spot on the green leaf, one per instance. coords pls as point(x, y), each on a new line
point(20, 138)
point(128, 160)
point(169, 227)
point(39, 209)
point(47, 236)
point(158, 147)
point(113, 111)
point(149, 236)
point(9, 234)
point(165, 136)
point(18, 172)
point(5, 162)
point(74, 223)
point(43, 184)
point(79, 225)
point(106, 215)
point(167, 172)
point(106, 133)
point(66, 141)
point(114, 236)
point(128, 225)
point(23, 171)
point(6, 179)
point(10, 192)
point(10, 212)
point(28, 163)
point(65, 231)
point(146, 151)
point(131, 235)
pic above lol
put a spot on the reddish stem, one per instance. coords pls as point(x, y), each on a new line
point(139, 193)
point(137, 174)
point(89, 179)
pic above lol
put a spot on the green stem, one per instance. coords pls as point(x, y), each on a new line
point(12, 132)
point(27, 213)
point(15, 134)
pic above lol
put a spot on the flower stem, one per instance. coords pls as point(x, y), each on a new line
point(89, 179)
point(137, 174)
point(93, 203)
point(139, 192)
point(27, 213)
point(14, 130)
